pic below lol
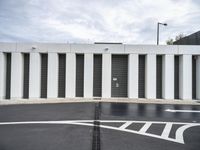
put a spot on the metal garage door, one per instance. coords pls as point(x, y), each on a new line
point(119, 75)
point(26, 76)
point(141, 77)
point(79, 75)
point(176, 77)
point(61, 75)
point(193, 77)
point(8, 74)
point(97, 77)
point(159, 77)
point(44, 63)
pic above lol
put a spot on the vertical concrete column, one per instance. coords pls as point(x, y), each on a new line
point(185, 83)
point(168, 77)
point(88, 75)
point(52, 77)
point(70, 75)
point(16, 75)
point(150, 76)
point(35, 75)
point(198, 77)
point(106, 76)
point(2, 75)
point(133, 76)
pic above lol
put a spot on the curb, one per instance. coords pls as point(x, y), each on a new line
point(89, 100)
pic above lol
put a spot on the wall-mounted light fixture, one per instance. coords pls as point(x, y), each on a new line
point(33, 47)
point(106, 49)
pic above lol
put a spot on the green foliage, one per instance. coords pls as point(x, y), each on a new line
point(171, 40)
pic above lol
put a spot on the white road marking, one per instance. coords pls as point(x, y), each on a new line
point(166, 130)
point(125, 125)
point(165, 135)
point(145, 127)
point(190, 111)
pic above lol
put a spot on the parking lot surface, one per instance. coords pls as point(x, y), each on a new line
point(99, 126)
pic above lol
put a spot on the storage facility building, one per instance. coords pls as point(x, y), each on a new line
point(41, 70)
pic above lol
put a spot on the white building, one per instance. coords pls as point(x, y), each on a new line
point(38, 70)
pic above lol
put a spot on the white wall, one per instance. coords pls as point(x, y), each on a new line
point(198, 77)
point(2, 75)
point(133, 76)
point(168, 77)
point(70, 75)
point(16, 75)
point(88, 75)
point(52, 79)
point(35, 73)
point(150, 76)
point(106, 76)
point(185, 82)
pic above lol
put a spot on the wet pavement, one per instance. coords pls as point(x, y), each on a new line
point(99, 126)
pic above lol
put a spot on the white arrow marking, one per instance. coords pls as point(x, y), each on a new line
point(190, 111)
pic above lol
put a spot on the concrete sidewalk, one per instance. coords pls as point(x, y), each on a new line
point(86, 100)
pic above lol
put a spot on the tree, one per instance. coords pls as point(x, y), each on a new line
point(170, 41)
point(180, 36)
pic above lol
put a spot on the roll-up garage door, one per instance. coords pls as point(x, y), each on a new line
point(26, 76)
point(44, 69)
point(193, 77)
point(176, 77)
point(79, 75)
point(8, 74)
point(159, 77)
point(141, 77)
point(119, 75)
point(97, 76)
point(61, 75)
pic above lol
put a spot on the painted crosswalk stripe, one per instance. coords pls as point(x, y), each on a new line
point(166, 130)
point(145, 127)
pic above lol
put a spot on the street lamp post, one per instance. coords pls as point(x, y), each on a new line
point(164, 24)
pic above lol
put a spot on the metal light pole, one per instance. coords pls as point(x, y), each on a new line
point(164, 24)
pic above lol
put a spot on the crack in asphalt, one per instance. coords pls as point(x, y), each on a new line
point(96, 141)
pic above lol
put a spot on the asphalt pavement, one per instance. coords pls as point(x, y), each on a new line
point(99, 126)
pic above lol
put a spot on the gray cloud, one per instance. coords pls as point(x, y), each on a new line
point(128, 21)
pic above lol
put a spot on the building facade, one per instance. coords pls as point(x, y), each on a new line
point(39, 70)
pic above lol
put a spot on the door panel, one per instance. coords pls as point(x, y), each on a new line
point(119, 75)
point(44, 70)
point(97, 77)
point(176, 77)
point(159, 77)
point(61, 75)
point(8, 74)
point(193, 77)
point(79, 75)
point(26, 76)
point(141, 76)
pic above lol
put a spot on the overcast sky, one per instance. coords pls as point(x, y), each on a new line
point(87, 21)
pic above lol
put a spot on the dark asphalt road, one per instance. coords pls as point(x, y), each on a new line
point(85, 137)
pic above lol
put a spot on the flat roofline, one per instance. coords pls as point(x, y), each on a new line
point(107, 43)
